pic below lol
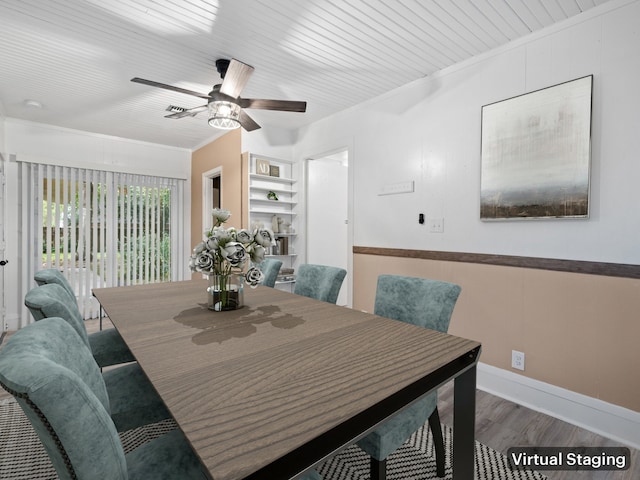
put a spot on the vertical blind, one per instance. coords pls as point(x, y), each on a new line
point(101, 229)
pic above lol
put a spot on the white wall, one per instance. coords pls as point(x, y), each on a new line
point(63, 146)
point(30, 141)
point(429, 132)
point(270, 142)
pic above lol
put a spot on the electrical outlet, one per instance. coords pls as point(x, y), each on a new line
point(517, 360)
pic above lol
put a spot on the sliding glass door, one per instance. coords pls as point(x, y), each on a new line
point(103, 228)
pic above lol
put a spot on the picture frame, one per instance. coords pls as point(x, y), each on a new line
point(263, 167)
point(536, 154)
point(274, 171)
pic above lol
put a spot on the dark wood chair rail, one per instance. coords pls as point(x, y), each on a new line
point(573, 266)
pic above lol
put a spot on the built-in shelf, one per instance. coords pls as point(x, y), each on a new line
point(262, 209)
point(272, 212)
point(266, 178)
point(268, 201)
point(256, 188)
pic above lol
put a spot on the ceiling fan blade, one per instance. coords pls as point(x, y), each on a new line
point(248, 123)
point(190, 112)
point(235, 78)
point(169, 87)
point(283, 105)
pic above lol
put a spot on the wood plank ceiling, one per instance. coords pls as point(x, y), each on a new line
point(76, 57)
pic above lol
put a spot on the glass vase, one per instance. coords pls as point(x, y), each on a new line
point(225, 292)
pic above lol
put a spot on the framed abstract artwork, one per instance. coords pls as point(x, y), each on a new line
point(536, 154)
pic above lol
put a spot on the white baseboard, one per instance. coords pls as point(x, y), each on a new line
point(611, 421)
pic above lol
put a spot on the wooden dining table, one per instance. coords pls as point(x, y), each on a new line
point(272, 389)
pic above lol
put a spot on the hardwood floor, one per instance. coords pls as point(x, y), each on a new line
point(501, 424)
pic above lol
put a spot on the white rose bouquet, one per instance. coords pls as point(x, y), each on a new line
point(225, 250)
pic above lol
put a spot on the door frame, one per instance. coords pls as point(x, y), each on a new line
point(207, 193)
point(305, 177)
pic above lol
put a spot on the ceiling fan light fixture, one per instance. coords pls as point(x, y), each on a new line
point(224, 115)
point(225, 107)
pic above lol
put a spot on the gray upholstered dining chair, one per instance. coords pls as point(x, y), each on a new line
point(134, 401)
point(50, 372)
point(52, 300)
point(321, 282)
point(270, 268)
point(53, 275)
point(429, 304)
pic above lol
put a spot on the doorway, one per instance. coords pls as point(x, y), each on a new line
point(327, 235)
point(215, 192)
point(211, 195)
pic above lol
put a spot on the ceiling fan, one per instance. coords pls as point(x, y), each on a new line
point(224, 103)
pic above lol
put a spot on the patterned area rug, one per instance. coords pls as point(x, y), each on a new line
point(416, 460)
point(22, 456)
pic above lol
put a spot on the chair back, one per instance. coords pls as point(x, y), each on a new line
point(54, 378)
point(270, 268)
point(420, 301)
point(51, 300)
point(321, 282)
point(53, 275)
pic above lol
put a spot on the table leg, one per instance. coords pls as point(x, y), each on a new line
point(464, 421)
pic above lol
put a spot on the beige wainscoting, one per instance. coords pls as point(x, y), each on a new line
point(579, 331)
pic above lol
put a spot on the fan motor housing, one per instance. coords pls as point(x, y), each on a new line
point(222, 64)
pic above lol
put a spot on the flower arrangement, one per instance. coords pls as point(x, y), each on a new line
point(225, 251)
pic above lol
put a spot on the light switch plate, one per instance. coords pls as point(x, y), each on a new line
point(436, 225)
